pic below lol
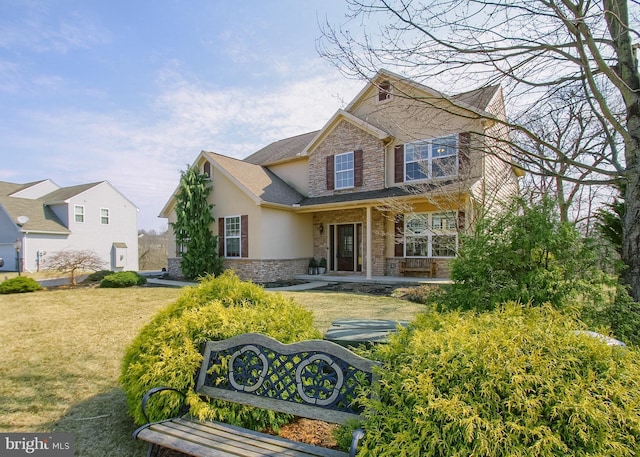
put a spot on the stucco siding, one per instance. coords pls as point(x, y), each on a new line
point(295, 173)
point(285, 235)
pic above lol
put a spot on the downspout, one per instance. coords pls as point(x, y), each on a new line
point(24, 253)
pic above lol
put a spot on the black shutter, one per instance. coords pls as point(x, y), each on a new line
point(244, 236)
point(398, 163)
point(399, 236)
point(461, 220)
point(357, 168)
point(221, 236)
point(464, 148)
point(330, 174)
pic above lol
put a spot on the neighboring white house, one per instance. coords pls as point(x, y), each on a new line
point(46, 218)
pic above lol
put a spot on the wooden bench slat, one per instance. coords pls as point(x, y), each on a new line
point(216, 439)
point(419, 265)
point(266, 440)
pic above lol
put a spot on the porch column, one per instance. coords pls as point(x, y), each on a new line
point(368, 254)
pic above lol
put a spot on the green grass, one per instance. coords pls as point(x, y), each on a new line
point(61, 352)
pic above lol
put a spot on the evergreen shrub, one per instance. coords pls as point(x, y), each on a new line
point(123, 279)
point(98, 276)
point(166, 352)
point(518, 381)
point(18, 285)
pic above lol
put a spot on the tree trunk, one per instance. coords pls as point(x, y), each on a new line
point(617, 17)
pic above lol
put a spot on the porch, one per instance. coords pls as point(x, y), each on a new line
point(363, 279)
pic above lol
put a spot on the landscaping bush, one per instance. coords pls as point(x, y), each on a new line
point(18, 285)
point(123, 279)
point(166, 352)
point(516, 381)
point(98, 276)
point(524, 254)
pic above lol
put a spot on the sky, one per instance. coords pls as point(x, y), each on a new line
point(131, 92)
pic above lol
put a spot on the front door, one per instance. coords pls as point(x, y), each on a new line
point(346, 248)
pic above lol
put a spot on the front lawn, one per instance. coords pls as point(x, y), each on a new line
point(61, 353)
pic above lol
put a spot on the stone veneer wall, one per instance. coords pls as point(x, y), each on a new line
point(355, 216)
point(173, 268)
point(254, 270)
point(267, 270)
point(344, 138)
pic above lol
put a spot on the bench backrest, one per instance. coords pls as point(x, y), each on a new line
point(316, 379)
point(419, 262)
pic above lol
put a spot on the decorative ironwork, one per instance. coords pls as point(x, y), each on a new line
point(307, 377)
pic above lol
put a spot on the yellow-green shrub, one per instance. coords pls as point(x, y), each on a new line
point(513, 382)
point(166, 352)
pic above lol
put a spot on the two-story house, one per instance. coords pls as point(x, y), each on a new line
point(41, 218)
point(397, 174)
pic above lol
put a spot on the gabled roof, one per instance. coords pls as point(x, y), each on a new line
point(258, 182)
point(9, 188)
point(41, 217)
point(65, 193)
point(478, 98)
point(348, 117)
point(282, 150)
point(475, 100)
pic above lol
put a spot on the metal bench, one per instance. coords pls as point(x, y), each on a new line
point(418, 265)
point(315, 379)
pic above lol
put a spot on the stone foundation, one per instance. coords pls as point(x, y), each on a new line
point(254, 270)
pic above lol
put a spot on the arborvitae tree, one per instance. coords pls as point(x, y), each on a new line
point(193, 226)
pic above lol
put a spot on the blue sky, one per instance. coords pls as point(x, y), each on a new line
point(131, 92)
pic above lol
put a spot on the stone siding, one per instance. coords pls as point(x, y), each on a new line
point(254, 270)
point(354, 216)
point(344, 138)
point(267, 270)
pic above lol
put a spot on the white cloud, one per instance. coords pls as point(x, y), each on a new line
point(142, 153)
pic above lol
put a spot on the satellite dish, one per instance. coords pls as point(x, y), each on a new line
point(22, 220)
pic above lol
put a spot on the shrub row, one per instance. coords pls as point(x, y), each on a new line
point(515, 381)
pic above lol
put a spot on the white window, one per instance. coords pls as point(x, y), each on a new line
point(435, 158)
point(232, 233)
point(78, 213)
point(431, 235)
point(344, 170)
point(104, 216)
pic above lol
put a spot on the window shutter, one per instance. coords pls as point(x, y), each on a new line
point(357, 167)
point(221, 236)
point(330, 173)
point(398, 161)
point(464, 148)
point(399, 236)
point(244, 236)
point(461, 220)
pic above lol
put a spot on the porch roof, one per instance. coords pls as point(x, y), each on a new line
point(377, 196)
